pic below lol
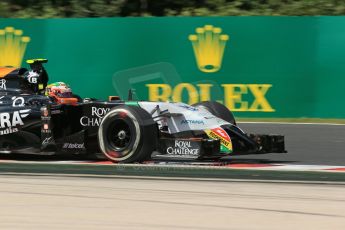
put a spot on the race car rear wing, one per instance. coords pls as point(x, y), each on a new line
point(36, 63)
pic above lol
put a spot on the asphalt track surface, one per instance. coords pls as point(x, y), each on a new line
point(307, 144)
point(71, 202)
point(41, 202)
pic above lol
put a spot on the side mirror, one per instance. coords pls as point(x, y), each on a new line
point(131, 92)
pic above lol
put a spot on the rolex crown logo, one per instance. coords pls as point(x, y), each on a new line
point(12, 46)
point(208, 45)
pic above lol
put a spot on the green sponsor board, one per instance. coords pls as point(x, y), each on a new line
point(256, 66)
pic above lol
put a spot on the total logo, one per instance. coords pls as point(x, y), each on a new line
point(73, 146)
point(96, 117)
point(182, 148)
point(10, 120)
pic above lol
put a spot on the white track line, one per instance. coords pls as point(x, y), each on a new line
point(54, 175)
point(272, 167)
point(287, 123)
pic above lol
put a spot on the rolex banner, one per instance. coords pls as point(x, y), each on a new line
point(257, 66)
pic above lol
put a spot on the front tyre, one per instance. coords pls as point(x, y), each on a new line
point(127, 134)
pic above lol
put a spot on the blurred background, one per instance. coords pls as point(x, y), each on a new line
point(266, 60)
point(124, 8)
point(265, 56)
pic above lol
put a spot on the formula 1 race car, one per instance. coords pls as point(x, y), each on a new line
point(34, 120)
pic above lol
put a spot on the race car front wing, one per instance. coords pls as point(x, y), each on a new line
point(269, 143)
point(198, 148)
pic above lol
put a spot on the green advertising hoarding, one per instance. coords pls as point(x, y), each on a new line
point(256, 66)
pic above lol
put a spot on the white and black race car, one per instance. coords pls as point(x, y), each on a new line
point(123, 130)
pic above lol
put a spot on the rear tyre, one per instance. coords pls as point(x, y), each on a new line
point(127, 134)
point(217, 109)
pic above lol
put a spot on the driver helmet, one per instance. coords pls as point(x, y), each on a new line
point(61, 93)
point(59, 89)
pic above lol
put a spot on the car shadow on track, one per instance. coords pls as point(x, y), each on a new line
point(98, 159)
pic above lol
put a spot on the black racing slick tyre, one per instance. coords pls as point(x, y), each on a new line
point(127, 134)
point(217, 109)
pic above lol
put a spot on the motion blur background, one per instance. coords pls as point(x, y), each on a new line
point(123, 8)
point(267, 64)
